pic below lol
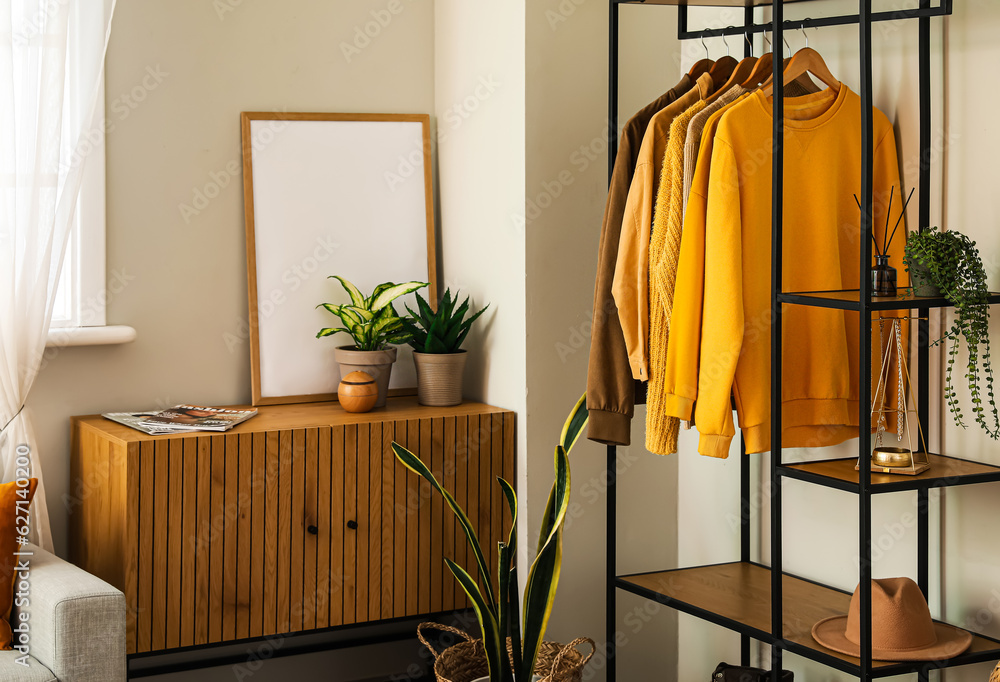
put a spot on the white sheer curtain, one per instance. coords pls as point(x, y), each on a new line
point(51, 67)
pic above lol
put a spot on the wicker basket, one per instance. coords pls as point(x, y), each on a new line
point(995, 677)
point(466, 661)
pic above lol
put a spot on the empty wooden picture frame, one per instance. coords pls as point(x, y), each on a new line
point(329, 194)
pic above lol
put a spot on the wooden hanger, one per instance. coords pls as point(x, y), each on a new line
point(722, 71)
point(702, 65)
point(761, 70)
point(805, 60)
point(740, 74)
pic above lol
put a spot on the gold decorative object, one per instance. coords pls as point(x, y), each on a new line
point(896, 459)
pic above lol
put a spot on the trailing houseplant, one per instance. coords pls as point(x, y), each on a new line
point(950, 261)
point(372, 323)
point(436, 337)
point(498, 605)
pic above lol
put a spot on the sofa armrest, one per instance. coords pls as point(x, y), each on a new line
point(75, 621)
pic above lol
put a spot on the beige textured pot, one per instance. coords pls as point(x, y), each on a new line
point(439, 378)
point(376, 363)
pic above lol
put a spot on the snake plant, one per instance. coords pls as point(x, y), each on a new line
point(370, 320)
point(498, 611)
point(441, 331)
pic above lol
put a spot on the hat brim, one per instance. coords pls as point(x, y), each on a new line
point(950, 642)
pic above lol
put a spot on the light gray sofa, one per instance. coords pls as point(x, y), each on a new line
point(76, 626)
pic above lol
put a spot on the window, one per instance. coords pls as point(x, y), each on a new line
point(81, 300)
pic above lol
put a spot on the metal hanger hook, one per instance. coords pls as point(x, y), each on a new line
point(729, 50)
point(707, 56)
point(768, 41)
point(750, 44)
point(804, 31)
point(787, 46)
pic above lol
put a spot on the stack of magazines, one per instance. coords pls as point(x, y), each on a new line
point(181, 418)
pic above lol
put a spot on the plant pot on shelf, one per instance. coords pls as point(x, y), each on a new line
point(376, 363)
point(439, 378)
point(920, 277)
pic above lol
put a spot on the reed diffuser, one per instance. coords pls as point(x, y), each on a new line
point(883, 274)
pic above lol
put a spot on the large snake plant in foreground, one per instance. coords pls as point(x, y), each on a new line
point(498, 612)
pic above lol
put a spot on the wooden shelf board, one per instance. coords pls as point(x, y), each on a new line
point(850, 299)
point(298, 416)
point(741, 593)
point(943, 471)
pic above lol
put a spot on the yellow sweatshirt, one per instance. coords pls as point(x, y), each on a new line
point(821, 242)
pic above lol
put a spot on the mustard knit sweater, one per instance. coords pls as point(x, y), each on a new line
point(664, 248)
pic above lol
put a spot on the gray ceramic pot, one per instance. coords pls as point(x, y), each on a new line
point(439, 378)
point(920, 278)
point(376, 363)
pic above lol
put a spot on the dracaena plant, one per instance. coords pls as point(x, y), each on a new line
point(950, 261)
point(370, 320)
point(498, 605)
point(441, 331)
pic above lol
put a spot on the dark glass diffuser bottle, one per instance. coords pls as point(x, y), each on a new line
point(883, 277)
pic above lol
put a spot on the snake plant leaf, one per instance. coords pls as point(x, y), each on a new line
point(356, 296)
point(511, 496)
point(513, 600)
point(553, 510)
point(492, 641)
point(330, 332)
point(389, 295)
point(414, 464)
point(540, 594)
point(543, 577)
point(575, 423)
point(503, 571)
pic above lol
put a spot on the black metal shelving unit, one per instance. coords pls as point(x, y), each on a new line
point(785, 624)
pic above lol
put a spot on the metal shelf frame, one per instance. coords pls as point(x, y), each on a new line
point(864, 305)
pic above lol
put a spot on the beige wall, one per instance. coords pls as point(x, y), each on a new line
point(566, 190)
point(180, 280)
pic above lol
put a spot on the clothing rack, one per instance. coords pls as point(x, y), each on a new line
point(959, 472)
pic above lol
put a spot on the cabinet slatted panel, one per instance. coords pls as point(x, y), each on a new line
point(298, 526)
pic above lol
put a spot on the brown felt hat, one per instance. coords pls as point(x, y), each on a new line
point(902, 628)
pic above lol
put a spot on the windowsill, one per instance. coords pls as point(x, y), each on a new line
point(61, 337)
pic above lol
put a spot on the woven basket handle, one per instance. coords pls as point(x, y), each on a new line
point(565, 650)
point(442, 628)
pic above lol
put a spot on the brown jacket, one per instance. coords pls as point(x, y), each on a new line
point(610, 388)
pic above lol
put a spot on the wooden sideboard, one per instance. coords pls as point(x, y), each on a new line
point(296, 520)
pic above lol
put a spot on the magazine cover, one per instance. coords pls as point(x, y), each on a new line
point(134, 420)
point(198, 418)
